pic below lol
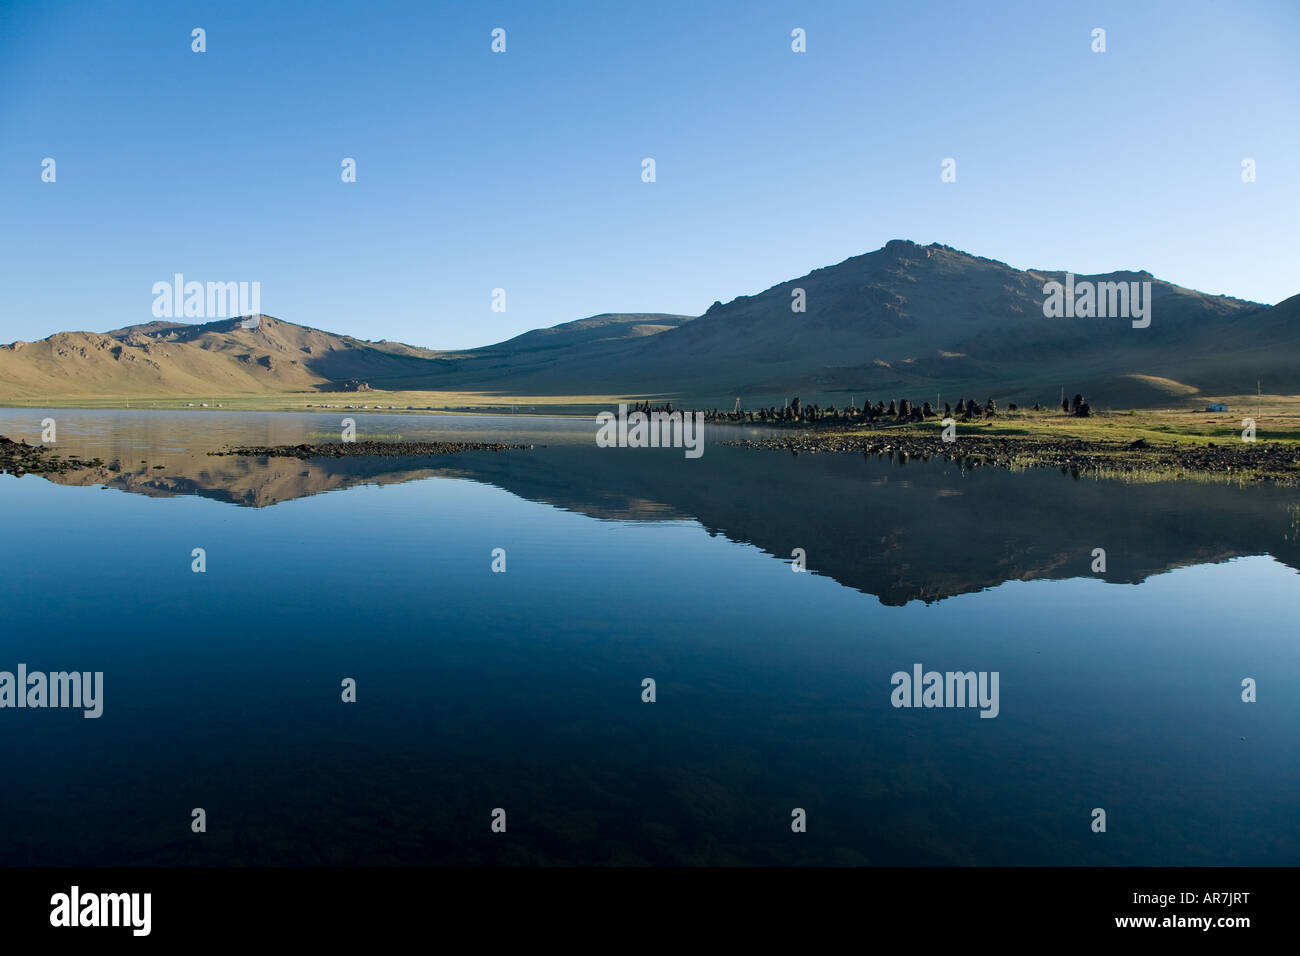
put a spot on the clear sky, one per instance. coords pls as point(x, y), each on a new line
point(522, 170)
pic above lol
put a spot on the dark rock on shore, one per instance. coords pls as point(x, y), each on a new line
point(1248, 461)
point(20, 458)
point(368, 449)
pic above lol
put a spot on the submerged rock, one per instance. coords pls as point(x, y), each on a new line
point(20, 458)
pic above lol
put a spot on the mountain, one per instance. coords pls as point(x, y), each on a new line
point(909, 320)
point(544, 357)
point(271, 357)
point(904, 321)
point(216, 358)
point(610, 327)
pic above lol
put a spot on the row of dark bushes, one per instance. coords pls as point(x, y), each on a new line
point(898, 411)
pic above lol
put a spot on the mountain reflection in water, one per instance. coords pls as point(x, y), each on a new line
point(899, 531)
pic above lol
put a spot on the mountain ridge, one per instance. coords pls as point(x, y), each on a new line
point(905, 319)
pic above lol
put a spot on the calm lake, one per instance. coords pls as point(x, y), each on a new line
point(1120, 689)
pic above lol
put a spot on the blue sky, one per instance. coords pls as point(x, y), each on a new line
point(522, 170)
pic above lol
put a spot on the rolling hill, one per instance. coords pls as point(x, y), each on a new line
point(273, 357)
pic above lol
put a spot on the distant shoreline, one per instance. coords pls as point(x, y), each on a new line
point(1151, 445)
point(367, 449)
point(247, 405)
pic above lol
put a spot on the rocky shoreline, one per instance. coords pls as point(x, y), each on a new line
point(1245, 461)
point(20, 458)
point(368, 449)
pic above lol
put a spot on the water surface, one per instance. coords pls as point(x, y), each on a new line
point(522, 690)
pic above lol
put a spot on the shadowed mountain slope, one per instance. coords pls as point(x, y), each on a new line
point(912, 319)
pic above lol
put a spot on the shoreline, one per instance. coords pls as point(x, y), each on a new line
point(1246, 462)
point(366, 449)
point(19, 458)
point(1151, 445)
